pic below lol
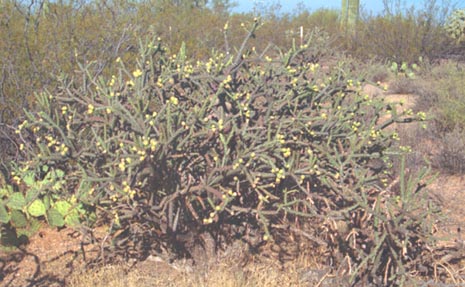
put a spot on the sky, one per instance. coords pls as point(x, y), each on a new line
point(289, 6)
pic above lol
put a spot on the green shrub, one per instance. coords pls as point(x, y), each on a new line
point(376, 72)
point(174, 147)
point(443, 95)
point(402, 36)
point(448, 103)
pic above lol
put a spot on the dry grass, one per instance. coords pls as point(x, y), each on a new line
point(262, 271)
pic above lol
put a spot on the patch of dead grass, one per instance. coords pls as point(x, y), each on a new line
point(226, 273)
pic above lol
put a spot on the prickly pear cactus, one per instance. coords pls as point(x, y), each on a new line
point(37, 199)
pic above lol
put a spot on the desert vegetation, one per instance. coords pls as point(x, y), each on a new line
point(182, 129)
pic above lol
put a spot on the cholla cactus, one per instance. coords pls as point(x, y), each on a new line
point(455, 25)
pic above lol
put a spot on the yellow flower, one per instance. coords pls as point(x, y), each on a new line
point(174, 100)
point(313, 67)
point(122, 165)
point(421, 116)
point(355, 126)
point(137, 73)
point(142, 155)
point(227, 80)
point(90, 109)
point(64, 149)
point(117, 222)
point(220, 124)
point(132, 193)
point(286, 152)
point(291, 70)
point(153, 145)
point(112, 81)
point(406, 149)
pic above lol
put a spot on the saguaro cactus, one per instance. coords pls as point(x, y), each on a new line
point(349, 15)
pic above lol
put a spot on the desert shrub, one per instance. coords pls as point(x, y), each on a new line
point(403, 85)
point(172, 148)
point(376, 71)
point(451, 157)
point(402, 34)
point(198, 28)
point(439, 91)
point(448, 104)
point(46, 38)
point(445, 101)
point(325, 19)
point(450, 113)
point(43, 40)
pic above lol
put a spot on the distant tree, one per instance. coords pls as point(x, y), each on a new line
point(222, 6)
point(190, 3)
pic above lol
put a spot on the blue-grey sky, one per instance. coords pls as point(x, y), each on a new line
point(289, 6)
